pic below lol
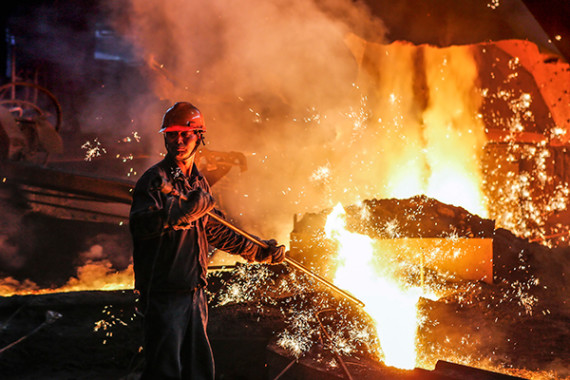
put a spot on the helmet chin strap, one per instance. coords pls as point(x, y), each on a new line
point(194, 150)
point(198, 143)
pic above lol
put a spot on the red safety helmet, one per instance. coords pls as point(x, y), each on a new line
point(183, 116)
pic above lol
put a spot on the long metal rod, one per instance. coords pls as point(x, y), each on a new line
point(51, 317)
point(295, 264)
point(285, 369)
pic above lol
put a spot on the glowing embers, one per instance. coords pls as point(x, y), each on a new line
point(390, 302)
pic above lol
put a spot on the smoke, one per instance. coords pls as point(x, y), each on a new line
point(215, 52)
point(324, 112)
point(10, 257)
point(275, 80)
point(107, 247)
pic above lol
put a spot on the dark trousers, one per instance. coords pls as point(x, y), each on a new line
point(176, 345)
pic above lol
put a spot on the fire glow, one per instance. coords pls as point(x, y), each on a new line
point(391, 303)
point(90, 277)
point(438, 152)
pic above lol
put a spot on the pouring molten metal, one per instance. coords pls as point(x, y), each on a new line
point(390, 302)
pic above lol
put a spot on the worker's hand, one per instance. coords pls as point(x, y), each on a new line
point(273, 254)
point(193, 206)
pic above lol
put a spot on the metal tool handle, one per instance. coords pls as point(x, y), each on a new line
point(295, 264)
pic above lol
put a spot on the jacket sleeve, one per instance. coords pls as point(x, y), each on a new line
point(148, 215)
point(224, 238)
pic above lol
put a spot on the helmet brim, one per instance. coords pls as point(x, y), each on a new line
point(179, 128)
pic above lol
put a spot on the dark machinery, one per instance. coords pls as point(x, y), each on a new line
point(30, 118)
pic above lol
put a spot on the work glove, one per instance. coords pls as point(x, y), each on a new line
point(182, 211)
point(273, 254)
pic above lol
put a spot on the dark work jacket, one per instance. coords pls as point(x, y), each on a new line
point(175, 258)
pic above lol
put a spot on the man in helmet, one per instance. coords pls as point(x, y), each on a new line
point(171, 233)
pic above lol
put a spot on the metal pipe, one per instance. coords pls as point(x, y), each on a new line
point(295, 264)
point(51, 317)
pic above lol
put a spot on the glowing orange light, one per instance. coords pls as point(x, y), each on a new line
point(391, 304)
point(91, 276)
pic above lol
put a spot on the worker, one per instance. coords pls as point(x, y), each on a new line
point(171, 233)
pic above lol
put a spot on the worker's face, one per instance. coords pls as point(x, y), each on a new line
point(180, 144)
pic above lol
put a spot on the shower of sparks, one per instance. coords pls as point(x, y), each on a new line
point(93, 149)
point(295, 343)
point(348, 332)
point(128, 157)
point(525, 196)
point(301, 332)
point(257, 116)
point(249, 283)
point(313, 116)
point(524, 208)
point(134, 137)
point(113, 320)
point(392, 229)
point(494, 4)
point(322, 174)
point(360, 117)
point(557, 132)
point(245, 285)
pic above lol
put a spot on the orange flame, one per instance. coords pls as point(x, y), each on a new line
point(92, 276)
point(391, 303)
point(440, 150)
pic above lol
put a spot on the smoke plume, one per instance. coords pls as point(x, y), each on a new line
point(275, 80)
